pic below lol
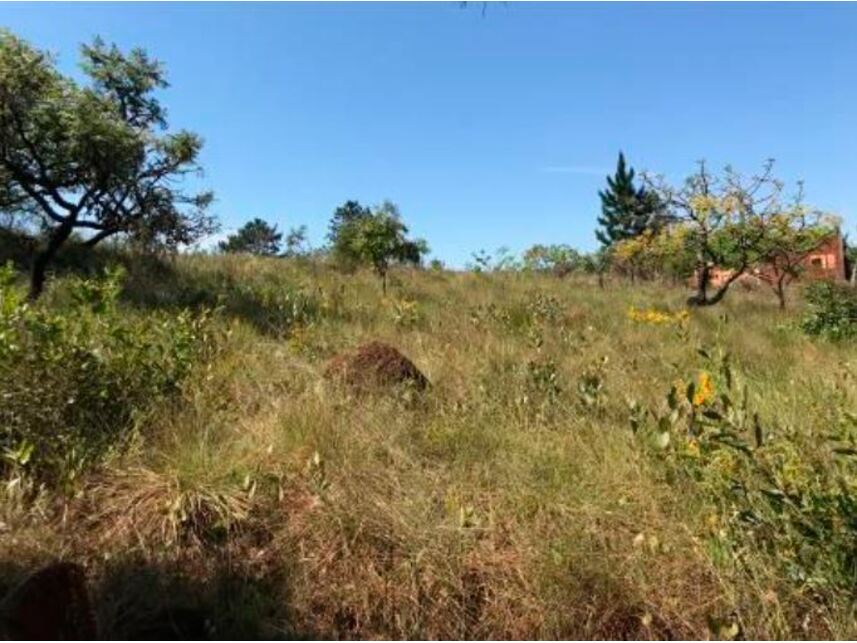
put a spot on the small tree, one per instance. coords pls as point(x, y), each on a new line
point(506, 260)
point(626, 210)
point(341, 230)
point(94, 158)
point(635, 256)
point(664, 253)
point(296, 242)
point(559, 259)
point(481, 261)
point(597, 263)
point(789, 239)
point(345, 214)
point(379, 240)
point(255, 237)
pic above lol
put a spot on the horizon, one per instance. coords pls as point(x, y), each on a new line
point(488, 130)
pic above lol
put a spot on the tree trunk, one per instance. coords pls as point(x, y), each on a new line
point(601, 280)
point(384, 283)
point(780, 291)
point(44, 258)
point(721, 291)
point(701, 296)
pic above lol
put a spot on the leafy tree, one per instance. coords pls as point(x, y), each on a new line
point(341, 229)
point(559, 259)
point(94, 158)
point(729, 222)
point(635, 256)
point(255, 237)
point(626, 210)
point(664, 253)
point(789, 240)
point(506, 260)
point(296, 242)
point(597, 263)
point(345, 214)
point(379, 240)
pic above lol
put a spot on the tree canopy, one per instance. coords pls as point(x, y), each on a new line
point(790, 238)
point(375, 237)
point(296, 242)
point(256, 237)
point(560, 259)
point(341, 231)
point(96, 157)
point(345, 214)
point(734, 223)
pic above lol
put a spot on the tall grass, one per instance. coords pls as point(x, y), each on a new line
point(513, 499)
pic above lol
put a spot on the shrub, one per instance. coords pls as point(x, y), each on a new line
point(832, 311)
point(786, 493)
point(74, 376)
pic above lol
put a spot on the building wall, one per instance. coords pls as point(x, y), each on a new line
point(827, 262)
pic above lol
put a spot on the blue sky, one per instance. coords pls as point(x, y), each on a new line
point(492, 130)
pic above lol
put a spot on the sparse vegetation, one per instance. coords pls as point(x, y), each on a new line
point(575, 469)
point(258, 443)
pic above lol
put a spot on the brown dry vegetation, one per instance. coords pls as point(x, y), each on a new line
point(509, 500)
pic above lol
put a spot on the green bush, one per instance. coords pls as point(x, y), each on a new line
point(788, 494)
point(75, 375)
point(833, 311)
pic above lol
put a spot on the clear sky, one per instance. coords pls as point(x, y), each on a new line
point(492, 130)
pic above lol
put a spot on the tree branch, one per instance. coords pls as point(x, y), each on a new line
point(101, 236)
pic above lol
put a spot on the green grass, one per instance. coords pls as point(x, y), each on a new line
point(510, 500)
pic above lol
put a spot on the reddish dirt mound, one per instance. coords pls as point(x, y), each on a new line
point(53, 604)
point(375, 365)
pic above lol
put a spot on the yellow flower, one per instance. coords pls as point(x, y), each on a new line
point(692, 448)
point(704, 389)
point(703, 204)
point(656, 317)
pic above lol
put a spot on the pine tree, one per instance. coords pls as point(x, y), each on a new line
point(345, 214)
point(255, 237)
point(626, 211)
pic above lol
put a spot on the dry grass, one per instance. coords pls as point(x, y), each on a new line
point(506, 502)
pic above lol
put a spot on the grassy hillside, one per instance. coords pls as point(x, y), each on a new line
point(546, 484)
